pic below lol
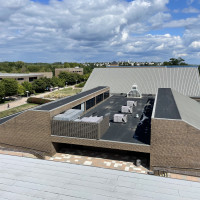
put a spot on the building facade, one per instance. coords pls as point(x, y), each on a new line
point(71, 70)
point(22, 77)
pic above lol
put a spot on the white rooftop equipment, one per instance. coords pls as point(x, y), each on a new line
point(132, 103)
point(69, 115)
point(92, 119)
point(127, 109)
point(120, 118)
point(134, 92)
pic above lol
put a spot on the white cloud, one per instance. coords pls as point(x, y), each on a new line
point(195, 45)
point(191, 10)
point(90, 30)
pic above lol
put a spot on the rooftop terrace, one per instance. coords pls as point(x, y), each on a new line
point(122, 132)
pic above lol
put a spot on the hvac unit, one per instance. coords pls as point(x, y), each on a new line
point(120, 118)
point(127, 109)
point(131, 103)
point(92, 119)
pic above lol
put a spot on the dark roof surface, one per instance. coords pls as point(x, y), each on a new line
point(165, 105)
point(2, 120)
point(66, 100)
point(119, 131)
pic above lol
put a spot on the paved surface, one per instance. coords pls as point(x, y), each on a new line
point(13, 104)
point(88, 158)
point(21, 101)
point(26, 178)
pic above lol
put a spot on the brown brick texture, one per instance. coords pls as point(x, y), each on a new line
point(30, 129)
point(175, 145)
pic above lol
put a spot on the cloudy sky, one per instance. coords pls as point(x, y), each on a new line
point(99, 30)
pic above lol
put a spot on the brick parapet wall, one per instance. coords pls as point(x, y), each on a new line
point(30, 129)
point(174, 145)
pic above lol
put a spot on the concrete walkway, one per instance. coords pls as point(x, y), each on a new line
point(22, 101)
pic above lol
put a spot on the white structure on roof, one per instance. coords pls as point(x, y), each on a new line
point(134, 92)
point(182, 79)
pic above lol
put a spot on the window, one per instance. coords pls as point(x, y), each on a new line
point(99, 98)
point(31, 79)
point(90, 103)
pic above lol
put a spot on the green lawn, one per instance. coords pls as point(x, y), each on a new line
point(17, 109)
point(63, 93)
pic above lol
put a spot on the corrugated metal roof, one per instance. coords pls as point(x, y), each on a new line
point(120, 80)
point(189, 109)
point(25, 178)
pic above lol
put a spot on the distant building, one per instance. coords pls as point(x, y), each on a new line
point(71, 70)
point(29, 77)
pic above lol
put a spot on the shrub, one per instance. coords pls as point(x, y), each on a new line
point(38, 100)
point(80, 85)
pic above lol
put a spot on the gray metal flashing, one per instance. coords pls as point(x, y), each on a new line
point(120, 80)
point(154, 106)
point(102, 140)
point(189, 109)
point(64, 101)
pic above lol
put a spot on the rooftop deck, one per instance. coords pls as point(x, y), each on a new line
point(121, 132)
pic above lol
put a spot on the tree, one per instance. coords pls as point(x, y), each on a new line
point(54, 81)
point(10, 86)
point(20, 90)
point(175, 61)
point(47, 81)
point(66, 65)
point(2, 90)
point(39, 85)
point(27, 86)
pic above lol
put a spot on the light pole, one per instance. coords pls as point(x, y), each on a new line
point(66, 83)
point(76, 82)
point(27, 93)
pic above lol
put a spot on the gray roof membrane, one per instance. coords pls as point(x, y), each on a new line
point(120, 80)
point(165, 105)
point(5, 119)
point(34, 179)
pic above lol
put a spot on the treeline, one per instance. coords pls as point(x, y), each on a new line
point(175, 61)
point(22, 67)
point(10, 87)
